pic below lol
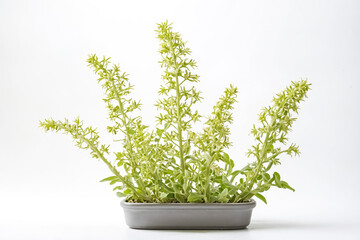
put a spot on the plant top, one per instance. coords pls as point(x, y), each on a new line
point(173, 163)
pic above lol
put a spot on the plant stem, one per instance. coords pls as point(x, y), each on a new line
point(113, 170)
point(179, 122)
point(181, 152)
point(207, 183)
point(259, 165)
point(110, 166)
point(125, 123)
point(261, 159)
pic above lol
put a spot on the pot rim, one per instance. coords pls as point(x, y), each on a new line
point(250, 204)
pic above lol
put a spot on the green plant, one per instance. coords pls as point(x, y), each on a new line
point(172, 163)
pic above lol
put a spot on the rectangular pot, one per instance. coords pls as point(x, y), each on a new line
point(188, 215)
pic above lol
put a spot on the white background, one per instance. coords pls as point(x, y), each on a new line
point(50, 190)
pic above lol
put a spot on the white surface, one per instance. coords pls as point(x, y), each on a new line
point(258, 230)
point(50, 190)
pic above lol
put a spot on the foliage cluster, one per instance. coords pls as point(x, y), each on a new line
point(173, 163)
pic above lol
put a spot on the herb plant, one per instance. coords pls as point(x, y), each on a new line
point(173, 163)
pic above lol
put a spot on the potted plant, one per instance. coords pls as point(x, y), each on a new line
point(173, 177)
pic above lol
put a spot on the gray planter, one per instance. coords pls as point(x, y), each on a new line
point(188, 215)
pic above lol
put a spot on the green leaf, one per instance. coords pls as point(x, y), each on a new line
point(223, 196)
point(131, 131)
point(118, 188)
point(163, 195)
point(127, 191)
point(120, 194)
point(245, 169)
point(112, 178)
point(187, 148)
point(195, 197)
point(207, 157)
point(179, 197)
point(119, 155)
point(277, 179)
point(226, 182)
point(159, 132)
point(266, 177)
point(286, 185)
point(261, 197)
point(234, 174)
point(226, 158)
point(114, 181)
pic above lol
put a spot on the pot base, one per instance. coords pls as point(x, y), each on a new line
point(191, 216)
